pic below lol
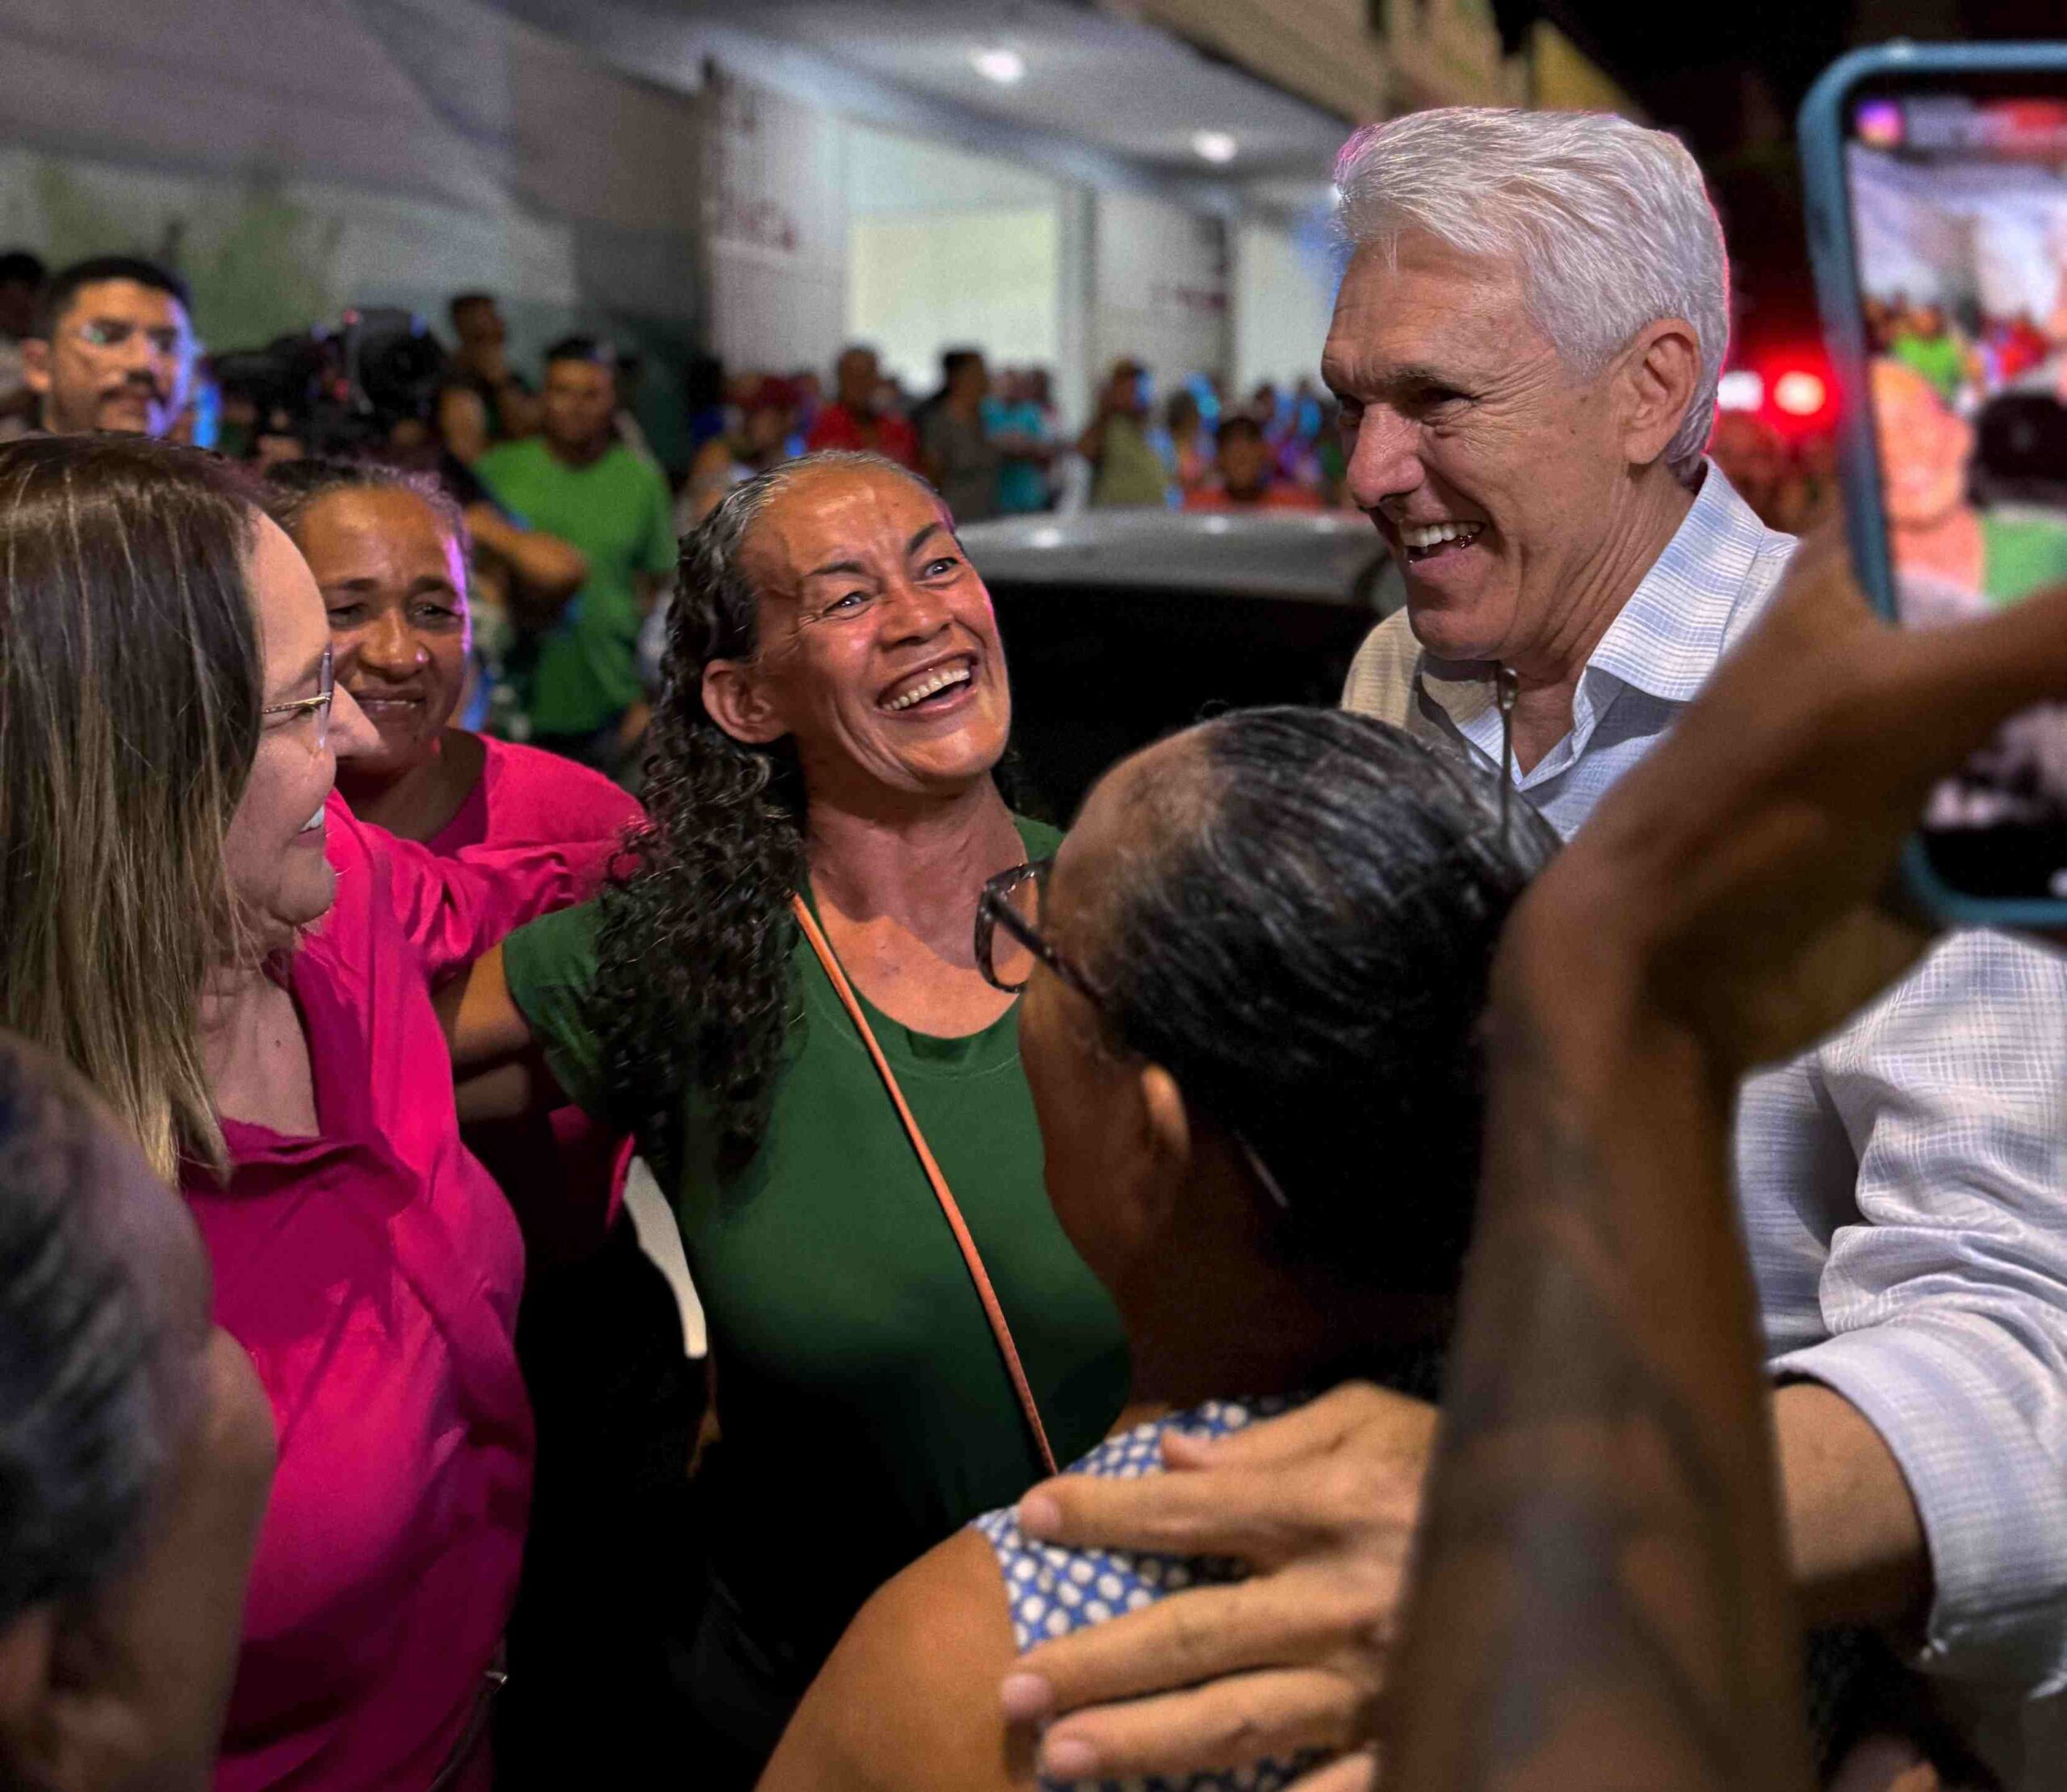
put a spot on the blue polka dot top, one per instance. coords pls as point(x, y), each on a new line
point(1055, 1591)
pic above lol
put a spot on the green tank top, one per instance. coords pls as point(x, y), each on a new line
point(865, 1412)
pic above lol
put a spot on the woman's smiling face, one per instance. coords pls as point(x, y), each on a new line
point(393, 576)
point(878, 656)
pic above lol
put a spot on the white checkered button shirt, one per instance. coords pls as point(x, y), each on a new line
point(1903, 1186)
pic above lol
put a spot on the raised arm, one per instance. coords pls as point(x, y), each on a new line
point(1602, 1597)
point(453, 907)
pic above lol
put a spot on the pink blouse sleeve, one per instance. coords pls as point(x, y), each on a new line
point(452, 908)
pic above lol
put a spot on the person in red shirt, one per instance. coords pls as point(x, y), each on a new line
point(192, 918)
point(856, 419)
point(1245, 478)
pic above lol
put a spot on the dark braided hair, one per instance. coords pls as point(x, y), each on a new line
point(693, 994)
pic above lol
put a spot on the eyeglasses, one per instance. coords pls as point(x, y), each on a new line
point(1011, 903)
point(108, 334)
point(1012, 900)
point(318, 705)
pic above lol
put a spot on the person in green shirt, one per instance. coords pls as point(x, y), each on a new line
point(577, 669)
point(1127, 471)
point(836, 704)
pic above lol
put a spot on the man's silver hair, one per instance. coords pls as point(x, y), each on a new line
point(1610, 226)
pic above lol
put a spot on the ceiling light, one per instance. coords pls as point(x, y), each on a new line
point(1214, 145)
point(1007, 68)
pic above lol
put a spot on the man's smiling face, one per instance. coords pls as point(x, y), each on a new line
point(1492, 472)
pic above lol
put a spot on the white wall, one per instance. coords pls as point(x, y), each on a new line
point(1284, 298)
point(777, 222)
point(987, 280)
point(389, 151)
point(1159, 288)
point(946, 250)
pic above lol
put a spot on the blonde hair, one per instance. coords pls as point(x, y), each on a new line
point(130, 687)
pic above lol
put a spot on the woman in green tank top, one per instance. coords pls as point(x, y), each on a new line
point(836, 704)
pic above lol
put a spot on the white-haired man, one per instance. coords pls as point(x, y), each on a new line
point(1526, 344)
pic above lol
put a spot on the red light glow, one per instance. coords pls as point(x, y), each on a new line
point(1800, 393)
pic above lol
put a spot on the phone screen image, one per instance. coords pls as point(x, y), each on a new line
point(1959, 211)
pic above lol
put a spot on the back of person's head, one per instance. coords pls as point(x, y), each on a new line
point(135, 1446)
point(954, 362)
point(67, 283)
point(466, 306)
point(1608, 225)
point(88, 1392)
point(21, 267)
point(1300, 932)
point(130, 686)
point(1239, 426)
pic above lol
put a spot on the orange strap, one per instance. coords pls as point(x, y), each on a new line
point(985, 1292)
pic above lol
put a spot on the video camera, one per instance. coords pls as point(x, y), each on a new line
point(340, 387)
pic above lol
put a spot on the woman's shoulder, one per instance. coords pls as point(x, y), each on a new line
point(536, 796)
point(909, 1697)
point(1053, 1590)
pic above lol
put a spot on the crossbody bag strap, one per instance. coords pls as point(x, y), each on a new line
point(970, 1257)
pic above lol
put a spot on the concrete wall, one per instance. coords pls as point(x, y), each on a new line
point(1159, 288)
point(1284, 296)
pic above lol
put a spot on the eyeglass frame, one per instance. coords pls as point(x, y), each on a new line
point(992, 906)
point(326, 692)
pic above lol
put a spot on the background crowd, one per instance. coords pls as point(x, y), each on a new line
point(553, 454)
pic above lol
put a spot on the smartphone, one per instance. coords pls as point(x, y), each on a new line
point(1937, 186)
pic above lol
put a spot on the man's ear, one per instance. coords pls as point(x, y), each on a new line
point(35, 365)
point(738, 702)
point(1660, 370)
point(1166, 1140)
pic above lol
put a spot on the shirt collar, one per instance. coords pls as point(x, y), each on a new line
point(1668, 637)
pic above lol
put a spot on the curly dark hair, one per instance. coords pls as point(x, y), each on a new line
point(693, 992)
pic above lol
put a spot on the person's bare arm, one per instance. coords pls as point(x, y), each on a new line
point(497, 1073)
point(907, 1702)
point(462, 422)
point(1601, 1597)
point(1854, 1542)
point(547, 570)
point(521, 413)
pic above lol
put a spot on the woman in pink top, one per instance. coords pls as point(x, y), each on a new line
point(242, 970)
point(389, 551)
point(600, 1344)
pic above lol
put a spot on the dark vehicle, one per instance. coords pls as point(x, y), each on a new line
point(1121, 626)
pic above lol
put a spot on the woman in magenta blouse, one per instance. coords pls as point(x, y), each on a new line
point(189, 916)
point(389, 552)
point(613, 1396)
